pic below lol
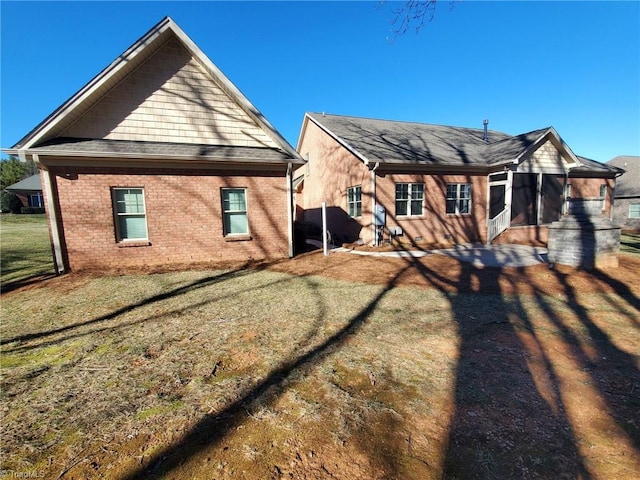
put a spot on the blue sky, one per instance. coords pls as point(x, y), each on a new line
point(522, 65)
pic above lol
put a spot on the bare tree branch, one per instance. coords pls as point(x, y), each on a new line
point(414, 13)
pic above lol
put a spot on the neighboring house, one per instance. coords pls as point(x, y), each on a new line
point(436, 184)
point(159, 160)
point(28, 191)
point(626, 205)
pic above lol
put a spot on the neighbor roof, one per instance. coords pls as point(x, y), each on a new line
point(408, 143)
point(31, 183)
point(70, 111)
point(628, 185)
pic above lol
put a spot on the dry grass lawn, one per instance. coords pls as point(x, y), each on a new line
point(344, 367)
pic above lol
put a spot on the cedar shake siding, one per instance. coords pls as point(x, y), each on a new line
point(169, 98)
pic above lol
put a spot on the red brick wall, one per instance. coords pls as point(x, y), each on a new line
point(589, 188)
point(331, 170)
point(435, 225)
point(184, 217)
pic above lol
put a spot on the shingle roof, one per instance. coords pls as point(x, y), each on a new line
point(409, 143)
point(109, 148)
point(628, 185)
point(31, 183)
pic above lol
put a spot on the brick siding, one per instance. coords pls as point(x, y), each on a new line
point(184, 217)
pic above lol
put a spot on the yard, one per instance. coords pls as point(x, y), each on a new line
point(319, 367)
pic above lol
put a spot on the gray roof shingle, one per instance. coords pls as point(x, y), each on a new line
point(110, 148)
point(31, 183)
point(394, 142)
point(628, 185)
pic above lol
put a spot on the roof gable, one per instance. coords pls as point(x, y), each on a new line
point(161, 89)
point(169, 98)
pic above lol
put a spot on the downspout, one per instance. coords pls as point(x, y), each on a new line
point(290, 207)
point(373, 204)
point(52, 214)
point(565, 197)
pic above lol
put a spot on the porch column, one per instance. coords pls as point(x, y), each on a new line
point(290, 208)
point(52, 214)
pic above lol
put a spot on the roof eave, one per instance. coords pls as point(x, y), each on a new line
point(40, 153)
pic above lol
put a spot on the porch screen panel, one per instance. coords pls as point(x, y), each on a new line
point(552, 188)
point(523, 206)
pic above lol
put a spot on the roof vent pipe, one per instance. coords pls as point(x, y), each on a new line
point(485, 136)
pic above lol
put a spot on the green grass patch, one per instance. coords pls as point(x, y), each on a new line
point(25, 251)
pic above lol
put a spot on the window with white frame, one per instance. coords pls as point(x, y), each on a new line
point(130, 214)
point(36, 200)
point(234, 204)
point(458, 198)
point(409, 199)
point(634, 210)
point(354, 201)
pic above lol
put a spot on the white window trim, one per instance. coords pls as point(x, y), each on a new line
point(634, 205)
point(225, 212)
point(117, 215)
point(355, 203)
point(409, 199)
point(458, 199)
point(39, 200)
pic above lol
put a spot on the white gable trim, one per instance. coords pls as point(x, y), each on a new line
point(563, 149)
point(338, 139)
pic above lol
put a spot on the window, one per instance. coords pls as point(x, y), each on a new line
point(603, 191)
point(458, 198)
point(234, 204)
point(634, 210)
point(36, 200)
point(129, 212)
point(354, 201)
point(409, 197)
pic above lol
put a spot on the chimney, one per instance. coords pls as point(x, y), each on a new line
point(485, 136)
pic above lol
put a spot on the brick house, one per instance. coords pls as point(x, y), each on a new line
point(427, 184)
point(159, 160)
point(28, 191)
point(626, 206)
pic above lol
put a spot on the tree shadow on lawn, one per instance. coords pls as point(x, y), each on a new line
point(212, 429)
point(201, 283)
point(503, 426)
point(510, 419)
point(104, 322)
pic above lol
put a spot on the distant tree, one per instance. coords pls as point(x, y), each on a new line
point(11, 171)
point(414, 13)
